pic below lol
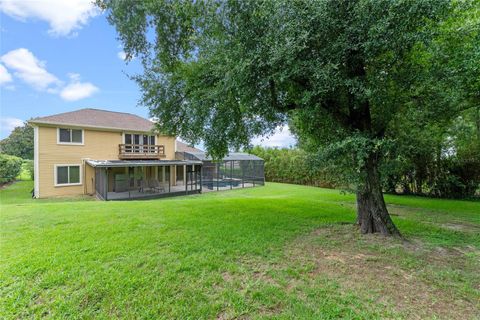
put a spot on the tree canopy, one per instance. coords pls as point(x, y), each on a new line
point(19, 143)
point(343, 73)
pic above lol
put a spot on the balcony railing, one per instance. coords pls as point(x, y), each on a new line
point(140, 151)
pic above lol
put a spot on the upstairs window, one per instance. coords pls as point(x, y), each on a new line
point(73, 136)
point(139, 139)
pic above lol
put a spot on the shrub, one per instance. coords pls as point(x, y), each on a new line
point(10, 167)
point(291, 166)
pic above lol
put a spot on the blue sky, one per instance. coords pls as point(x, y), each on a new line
point(58, 56)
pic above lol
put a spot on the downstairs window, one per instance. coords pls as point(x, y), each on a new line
point(67, 175)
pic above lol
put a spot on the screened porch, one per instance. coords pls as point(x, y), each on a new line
point(141, 179)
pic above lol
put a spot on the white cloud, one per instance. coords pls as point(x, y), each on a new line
point(28, 68)
point(122, 55)
point(33, 72)
point(74, 76)
point(77, 90)
point(5, 76)
point(8, 124)
point(281, 138)
point(63, 16)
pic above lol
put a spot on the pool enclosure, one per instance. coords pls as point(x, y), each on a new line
point(190, 173)
point(236, 170)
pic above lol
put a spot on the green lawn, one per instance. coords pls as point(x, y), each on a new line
point(25, 170)
point(277, 251)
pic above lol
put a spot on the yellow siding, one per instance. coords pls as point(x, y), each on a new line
point(97, 145)
point(89, 180)
point(169, 143)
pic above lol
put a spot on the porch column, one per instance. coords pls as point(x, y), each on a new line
point(170, 177)
point(185, 175)
point(201, 178)
point(185, 178)
point(173, 175)
point(231, 175)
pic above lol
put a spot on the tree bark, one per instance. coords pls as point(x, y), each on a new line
point(372, 213)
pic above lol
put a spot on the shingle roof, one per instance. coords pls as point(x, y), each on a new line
point(183, 147)
point(99, 119)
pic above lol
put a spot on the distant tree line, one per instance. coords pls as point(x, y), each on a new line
point(291, 166)
point(16, 154)
point(19, 143)
point(438, 160)
point(441, 160)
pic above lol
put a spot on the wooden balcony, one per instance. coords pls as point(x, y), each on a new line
point(140, 152)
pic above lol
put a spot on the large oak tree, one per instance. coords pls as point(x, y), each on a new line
point(227, 71)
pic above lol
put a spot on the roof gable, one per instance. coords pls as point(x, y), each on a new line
point(97, 118)
point(183, 147)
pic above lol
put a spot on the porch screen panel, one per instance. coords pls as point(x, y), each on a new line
point(198, 177)
point(260, 174)
point(248, 174)
point(101, 182)
point(237, 174)
point(222, 180)
point(209, 175)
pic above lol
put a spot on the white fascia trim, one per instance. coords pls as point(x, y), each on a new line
point(81, 126)
point(36, 173)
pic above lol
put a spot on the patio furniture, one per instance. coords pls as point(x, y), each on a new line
point(156, 186)
point(142, 185)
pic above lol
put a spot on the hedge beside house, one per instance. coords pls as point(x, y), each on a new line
point(10, 167)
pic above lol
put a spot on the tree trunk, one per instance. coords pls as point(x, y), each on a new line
point(372, 214)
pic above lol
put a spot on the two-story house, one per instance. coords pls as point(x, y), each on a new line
point(116, 155)
point(107, 153)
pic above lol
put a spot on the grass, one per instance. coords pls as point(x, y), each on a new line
point(279, 251)
point(26, 170)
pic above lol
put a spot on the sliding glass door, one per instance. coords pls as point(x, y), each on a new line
point(136, 142)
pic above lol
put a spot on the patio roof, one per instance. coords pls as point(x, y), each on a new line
point(234, 156)
point(139, 163)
